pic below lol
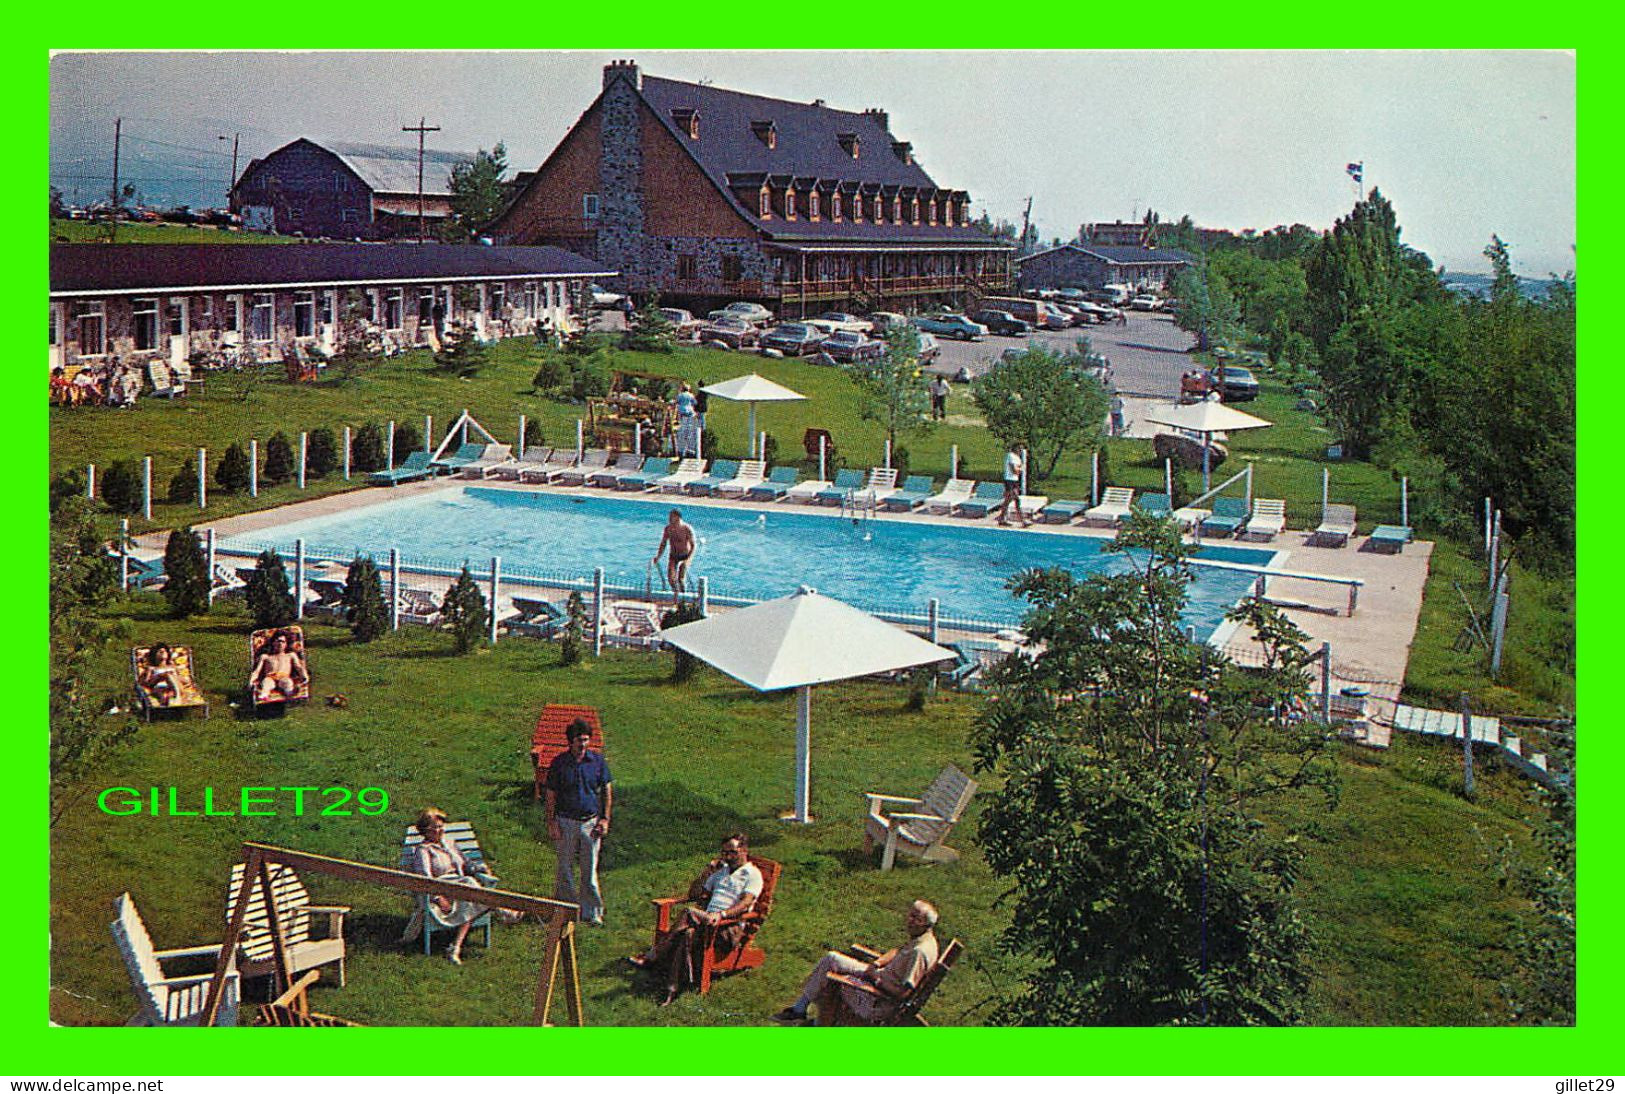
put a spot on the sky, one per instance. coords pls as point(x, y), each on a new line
point(1464, 143)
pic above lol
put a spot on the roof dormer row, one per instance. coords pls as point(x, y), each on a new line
point(793, 197)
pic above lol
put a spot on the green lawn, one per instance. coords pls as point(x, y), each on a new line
point(83, 231)
point(1399, 890)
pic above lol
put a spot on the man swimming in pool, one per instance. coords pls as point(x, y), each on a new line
point(679, 535)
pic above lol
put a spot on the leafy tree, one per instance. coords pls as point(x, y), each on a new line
point(82, 578)
point(183, 486)
point(186, 574)
point(892, 389)
point(278, 458)
point(120, 487)
point(270, 601)
point(650, 331)
point(232, 471)
point(1048, 401)
point(1206, 308)
point(71, 484)
point(367, 450)
point(477, 192)
point(321, 452)
point(1147, 890)
point(463, 611)
point(461, 352)
point(364, 600)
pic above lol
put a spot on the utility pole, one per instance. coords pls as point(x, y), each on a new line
point(112, 230)
point(231, 184)
point(420, 129)
point(1026, 219)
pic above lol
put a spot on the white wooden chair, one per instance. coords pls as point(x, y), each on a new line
point(461, 835)
point(256, 954)
point(1336, 525)
point(1268, 520)
point(922, 833)
point(1116, 502)
point(168, 1000)
point(419, 606)
point(751, 473)
point(956, 491)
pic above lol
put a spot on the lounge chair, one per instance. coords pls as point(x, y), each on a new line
point(465, 455)
point(638, 623)
point(1190, 516)
point(956, 491)
point(559, 462)
point(882, 483)
point(806, 492)
point(1115, 503)
point(1156, 505)
point(162, 382)
point(184, 376)
point(608, 476)
point(981, 502)
point(532, 458)
point(688, 469)
point(910, 496)
point(1228, 515)
point(922, 830)
point(329, 598)
point(906, 1012)
point(549, 738)
point(459, 834)
point(1062, 511)
point(147, 571)
point(1268, 519)
point(168, 1000)
point(749, 474)
point(847, 480)
point(494, 456)
point(779, 482)
point(294, 913)
point(594, 459)
point(1390, 538)
point(156, 689)
point(419, 465)
point(721, 471)
point(418, 606)
point(537, 618)
point(260, 642)
point(1336, 525)
point(644, 478)
point(745, 955)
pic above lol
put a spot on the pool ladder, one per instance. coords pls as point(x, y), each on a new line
point(855, 507)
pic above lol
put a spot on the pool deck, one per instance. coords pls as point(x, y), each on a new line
point(1369, 648)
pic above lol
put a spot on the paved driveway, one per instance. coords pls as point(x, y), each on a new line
point(1147, 355)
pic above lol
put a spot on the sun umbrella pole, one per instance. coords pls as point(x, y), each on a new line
point(1207, 480)
point(753, 431)
point(803, 754)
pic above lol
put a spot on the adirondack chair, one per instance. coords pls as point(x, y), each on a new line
point(547, 740)
point(923, 833)
point(256, 948)
point(292, 1009)
point(181, 370)
point(746, 955)
point(907, 1012)
point(150, 695)
point(461, 835)
point(329, 597)
point(881, 484)
point(261, 642)
point(162, 382)
point(168, 1000)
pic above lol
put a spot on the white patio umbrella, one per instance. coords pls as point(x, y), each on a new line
point(752, 389)
point(1207, 419)
point(798, 641)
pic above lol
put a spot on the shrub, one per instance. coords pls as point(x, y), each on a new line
point(463, 611)
point(408, 439)
point(232, 474)
point(575, 629)
point(899, 460)
point(367, 450)
point(364, 601)
point(321, 452)
point(270, 601)
point(71, 484)
point(770, 450)
point(278, 458)
point(651, 332)
point(590, 378)
point(552, 373)
point(187, 580)
point(461, 352)
point(183, 487)
point(120, 486)
point(708, 444)
point(688, 611)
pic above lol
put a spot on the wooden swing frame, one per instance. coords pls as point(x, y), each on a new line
point(558, 953)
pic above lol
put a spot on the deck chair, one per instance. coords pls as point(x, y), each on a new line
point(533, 457)
point(168, 1000)
point(644, 478)
point(750, 473)
point(418, 465)
point(547, 740)
point(809, 445)
point(537, 618)
point(1268, 519)
point(329, 600)
point(146, 571)
point(163, 384)
point(721, 471)
point(1061, 511)
point(419, 606)
point(1386, 536)
point(910, 496)
point(639, 622)
point(973, 657)
point(181, 370)
point(954, 492)
point(746, 955)
point(1156, 505)
point(461, 835)
point(806, 492)
point(466, 454)
point(779, 482)
point(1115, 503)
point(149, 692)
point(559, 462)
point(847, 480)
point(981, 501)
point(1190, 516)
point(1228, 515)
point(494, 456)
point(921, 833)
point(1336, 525)
point(881, 484)
point(256, 948)
point(609, 476)
point(260, 642)
point(688, 469)
point(907, 1012)
point(292, 1009)
point(594, 459)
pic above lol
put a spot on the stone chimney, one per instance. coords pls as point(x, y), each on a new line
point(881, 118)
point(622, 70)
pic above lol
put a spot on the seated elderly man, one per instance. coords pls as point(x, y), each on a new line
point(727, 890)
point(894, 974)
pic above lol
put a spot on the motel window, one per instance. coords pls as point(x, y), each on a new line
point(835, 206)
point(789, 203)
point(304, 315)
point(329, 305)
point(175, 316)
point(857, 208)
point(914, 211)
point(499, 299)
point(350, 216)
point(90, 317)
point(589, 206)
point(392, 309)
point(897, 210)
point(425, 306)
point(687, 268)
point(144, 322)
point(56, 325)
point(532, 303)
point(731, 270)
point(262, 322)
point(880, 210)
point(232, 318)
point(764, 206)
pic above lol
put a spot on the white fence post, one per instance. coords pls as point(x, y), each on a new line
point(299, 579)
point(1498, 625)
point(1404, 502)
point(887, 464)
point(146, 487)
point(203, 478)
point(1326, 683)
point(1168, 476)
point(346, 453)
point(823, 443)
point(933, 611)
point(304, 451)
point(637, 438)
point(579, 439)
point(496, 586)
point(90, 481)
point(597, 611)
point(389, 448)
point(522, 423)
point(428, 432)
point(124, 555)
point(1094, 477)
point(703, 596)
point(953, 462)
point(394, 589)
point(253, 469)
point(208, 540)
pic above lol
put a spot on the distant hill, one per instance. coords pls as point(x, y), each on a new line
point(1472, 284)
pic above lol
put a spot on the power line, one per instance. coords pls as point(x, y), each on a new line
point(181, 147)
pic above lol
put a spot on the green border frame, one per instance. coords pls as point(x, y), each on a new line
point(1587, 1049)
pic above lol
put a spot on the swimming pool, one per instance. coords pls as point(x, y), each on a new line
point(889, 566)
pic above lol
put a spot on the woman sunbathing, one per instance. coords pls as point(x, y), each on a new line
point(280, 669)
point(160, 676)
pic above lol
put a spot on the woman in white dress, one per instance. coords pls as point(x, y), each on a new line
point(436, 858)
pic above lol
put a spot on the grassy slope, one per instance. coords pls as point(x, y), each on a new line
point(83, 231)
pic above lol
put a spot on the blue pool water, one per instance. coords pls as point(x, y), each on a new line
point(881, 565)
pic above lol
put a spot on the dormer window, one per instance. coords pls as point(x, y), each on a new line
point(790, 202)
point(765, 205)
point(687, 121)
point(914, 211)
point(812, 204)
point(835, 206)
point(903, 150)
point(857, 208)
point(931, 211)
point(880, 210)
point(766, 132)
point(897, 210)
point(849, 143)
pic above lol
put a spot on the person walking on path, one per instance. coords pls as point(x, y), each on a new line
point(939, 389)
point(580, 798)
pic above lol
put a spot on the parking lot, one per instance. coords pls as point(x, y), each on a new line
point(1147, 355)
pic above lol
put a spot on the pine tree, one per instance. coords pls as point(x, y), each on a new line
point(278, 458)
point(409, 438)
point(232, 472)
point(183, 487)
point(364, 600)
point(270, 601)
point(321, 452)
point(650, 331)
point(461, 352)
point(186, 569)
point(463, 611)
point(575, 629)
point(120, 487)
point(367, 451)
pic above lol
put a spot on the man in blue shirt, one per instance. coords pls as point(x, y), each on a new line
point(580, 798)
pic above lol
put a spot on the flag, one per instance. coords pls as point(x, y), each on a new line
point(1356, 171)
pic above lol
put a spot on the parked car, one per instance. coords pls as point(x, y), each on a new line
point(686, 326)
point(929, 350)
point(950, 324)
point(603, 299)
point(832, 321)
point(1102, 312)
point(744, 310)
point(1235, 384)
point(847, 346)
point(1001, 322)
point(882, 321)
point(793, 339)
point(1052, 318)
point(1075, 316)
point(733, 333)
point(1145, 302)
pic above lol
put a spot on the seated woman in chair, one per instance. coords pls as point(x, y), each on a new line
point(280, 671)
point(160, 675)
point(438, 859)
